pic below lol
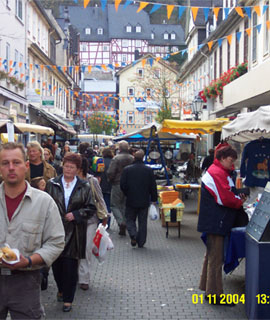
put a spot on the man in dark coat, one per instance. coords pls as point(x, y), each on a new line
point(139, 186)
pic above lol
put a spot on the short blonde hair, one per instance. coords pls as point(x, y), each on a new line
point(36, 144)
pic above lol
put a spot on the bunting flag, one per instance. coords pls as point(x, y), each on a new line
point(239, 11)
point(229, 38)
point(142, 6)
point(194, 11)
point(268, 24)
point(220, 42)
point(226, 12)
point(248, 31)
point(103, 4)
point(257, 9)
point(128, 2)
point(216, 11)
point(206, 13)
point(85, 3)
point(210, 44)
point(248, 12)
point(258, 27)
point(169, 11)
point(155, 8)
point(181, 10)
point(116, 4)
point(238, 35)
point(265, 7)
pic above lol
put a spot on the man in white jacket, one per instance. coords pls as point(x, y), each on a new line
point(30, 222)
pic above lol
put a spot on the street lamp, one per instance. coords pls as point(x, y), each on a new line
point(77, 124)
point(197, 106)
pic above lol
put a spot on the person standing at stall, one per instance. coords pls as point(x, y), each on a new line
point(218, 210)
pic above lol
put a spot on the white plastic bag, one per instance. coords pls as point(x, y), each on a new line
point(153, 212)
point(101, 243)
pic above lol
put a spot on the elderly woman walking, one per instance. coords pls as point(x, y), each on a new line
point(74, 200)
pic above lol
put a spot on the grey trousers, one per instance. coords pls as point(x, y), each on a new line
point(118, 204)
point(211, 277)
point(131, 216)
point(20, 295)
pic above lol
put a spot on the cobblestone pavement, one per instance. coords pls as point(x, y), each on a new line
point(156, 282)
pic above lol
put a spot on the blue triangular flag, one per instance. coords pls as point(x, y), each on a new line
point(206, 12)
point(14, 64)
point(181, 11)
point(226, 12)
point(264, 9)
point(128, 2)
point(258, 27)
point(37, 66)
point(70, 70)
point(111, 66)
point(155, 8)
point(83, 69)
point(151, 60)
point(50, 86)
point(220, 42)
point(103, 4)
point(76, 1)
point(5, 61)
point(238, 35)
point(98, 67)
point(17, 72)
point(184, 51)
point(59, 68)
point(200, 46)
point(248, 12)
point(26, 78)
point(134, 62)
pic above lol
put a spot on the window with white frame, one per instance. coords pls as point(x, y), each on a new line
point(156, 73)
point(138, 29)
point(266, 30)
point(166, 36)
point(100, 31)
point(254, 37)
point(128, 28)
point(130, 117)
point(19, 9)
point(147, 117)
point(152, 35)
point(138, 43)
point(106, 47)
point(87, 30)
point(140, 73)
point(130, 91)
point(157, 49)
point(125, 43)
point(173, 36)
point(124, 58)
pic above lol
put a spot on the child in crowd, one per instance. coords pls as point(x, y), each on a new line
point(38, 183)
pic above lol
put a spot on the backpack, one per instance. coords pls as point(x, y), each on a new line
point(98, 164)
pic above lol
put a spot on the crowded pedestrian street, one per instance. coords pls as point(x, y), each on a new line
point(154, 282)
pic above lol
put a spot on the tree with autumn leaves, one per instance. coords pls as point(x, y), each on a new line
point(100, 122)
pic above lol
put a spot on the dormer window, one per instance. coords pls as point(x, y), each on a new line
point(152, 35)
point(87, 30)
point(128, 29)
point(173, 36)
point(100, 31)
point(166, 36)
point(138, 29)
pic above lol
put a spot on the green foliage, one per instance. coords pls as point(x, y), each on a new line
point(164, 113)
point(100, 122)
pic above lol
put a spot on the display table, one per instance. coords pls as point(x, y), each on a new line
point(234, 248)
point(183, 187)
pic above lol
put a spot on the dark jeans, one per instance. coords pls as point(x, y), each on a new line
point(131, 216)
point(107, 199)
point(65, 272)
point(20, 295)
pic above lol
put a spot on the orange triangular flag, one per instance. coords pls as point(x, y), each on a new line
point(30, 66)
point(248, 31)
point(44, 84)
point(117, 65)
point(194, 11)
point(104, 67)
point(116, 4)
point(229, 38)
point(216, 11)
point(54, 67)
point(258, 10)
point(143, 62)
point(20, 64)
point(268, 24)
point(169, 10)
point(10, 70)
point(157, 59)
point(210, 44)
point(10, 62)
point(85, 3)
point(89, 68)
point(239, 11)
point(33, 80)
point(142, 6)
point(22, 74)
point(64, 69)
point(77, 68)
point(41, 67)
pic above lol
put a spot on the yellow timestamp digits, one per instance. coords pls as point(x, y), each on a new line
point(222, 299)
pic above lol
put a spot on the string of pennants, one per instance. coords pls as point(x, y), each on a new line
point(181, 9)
point(12, 66)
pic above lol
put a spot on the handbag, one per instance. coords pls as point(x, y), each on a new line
point(101, 211)
point(241, 219)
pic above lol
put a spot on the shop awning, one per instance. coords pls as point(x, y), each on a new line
point(26, 127)
point(47, 118)
point(202, 127)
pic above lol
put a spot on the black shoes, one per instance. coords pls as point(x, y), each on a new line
point(122, 231)
point(59, 297)
point(84, 286)
point(133, 242)
point(67, 308)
